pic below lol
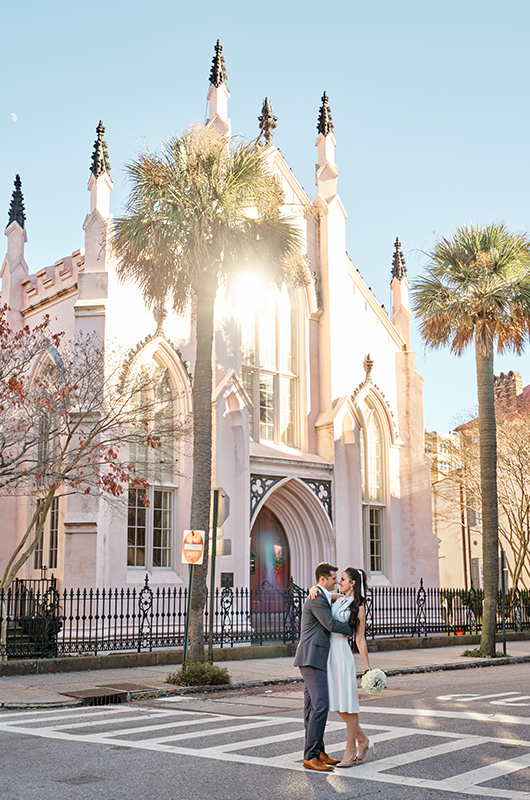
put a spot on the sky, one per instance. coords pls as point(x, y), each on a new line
point(429, 102)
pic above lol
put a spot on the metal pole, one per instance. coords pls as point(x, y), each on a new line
point(188, 612)
point(503, 595)
point(212, 571)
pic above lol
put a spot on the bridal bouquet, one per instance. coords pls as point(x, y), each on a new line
point(373, 681)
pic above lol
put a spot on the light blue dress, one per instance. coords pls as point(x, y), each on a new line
point(342, 680)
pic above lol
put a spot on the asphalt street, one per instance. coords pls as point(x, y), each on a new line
point(450, 735)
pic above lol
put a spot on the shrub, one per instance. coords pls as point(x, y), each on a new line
point(199, 673)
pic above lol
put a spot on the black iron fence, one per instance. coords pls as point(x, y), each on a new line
point(36, 620)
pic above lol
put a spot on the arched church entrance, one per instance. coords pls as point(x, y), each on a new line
point(270, 558)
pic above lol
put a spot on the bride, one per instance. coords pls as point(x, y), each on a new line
point(348, 606)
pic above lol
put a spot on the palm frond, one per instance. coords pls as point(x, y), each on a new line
point(476, 288)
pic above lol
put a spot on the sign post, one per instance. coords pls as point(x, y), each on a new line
point(192, 553)
point(220, 509)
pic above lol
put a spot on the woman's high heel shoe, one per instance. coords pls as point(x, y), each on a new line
point(369, 746)
point(350, 762)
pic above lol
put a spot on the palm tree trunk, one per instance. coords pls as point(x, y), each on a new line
point(202, 451)
point(488, 483)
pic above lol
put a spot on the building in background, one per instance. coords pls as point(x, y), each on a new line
point(318, 414)
point(457, 502)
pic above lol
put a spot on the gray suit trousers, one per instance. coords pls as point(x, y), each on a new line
point(316, 704)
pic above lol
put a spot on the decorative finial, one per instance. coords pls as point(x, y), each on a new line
point(368, 364)
point(399, 269)
point(218, 74)
point(100, 156)
point(325, 120)
point(267, 122)
point(16, 209)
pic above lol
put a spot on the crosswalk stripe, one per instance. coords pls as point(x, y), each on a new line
point(476, 716)
point(180, 726)
point(489, 772)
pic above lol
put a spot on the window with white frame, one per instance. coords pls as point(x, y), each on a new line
point(152, 511)
point(48, 442)
point(373, 443)
point(269, 368)
point(45, 553)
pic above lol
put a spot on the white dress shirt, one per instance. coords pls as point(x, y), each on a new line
point(326, 594)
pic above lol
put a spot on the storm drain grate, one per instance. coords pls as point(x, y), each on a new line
point(98, 697)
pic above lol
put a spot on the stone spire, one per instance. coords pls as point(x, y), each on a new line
point(218, 94)
point(100, 156)
point(399, 269)
point(16, 209)
point(399, 287)
point(218, 74)
point(325, 120)
point(14, 269)
point(267, 122)
point(326, 168)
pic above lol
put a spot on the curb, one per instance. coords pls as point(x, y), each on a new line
point(183, 691)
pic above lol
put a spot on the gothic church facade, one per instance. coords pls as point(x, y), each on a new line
point(318, 415)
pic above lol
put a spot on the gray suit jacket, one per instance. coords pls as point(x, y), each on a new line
point(317, 623)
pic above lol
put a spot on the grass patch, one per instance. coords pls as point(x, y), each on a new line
point(476, 653)
point(200, 673)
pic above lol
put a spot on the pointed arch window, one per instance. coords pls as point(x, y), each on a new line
point(373, 448)
point(152, 511)
point(269, 368)
point(45, 555)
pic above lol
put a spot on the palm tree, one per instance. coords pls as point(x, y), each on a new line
point(477, 289)
point(198, 214)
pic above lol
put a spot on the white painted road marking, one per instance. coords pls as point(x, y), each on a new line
point(512, 701)
point(478, 716)
point(54, 725)
point(469, 698)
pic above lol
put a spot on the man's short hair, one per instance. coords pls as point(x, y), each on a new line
point(324, 570)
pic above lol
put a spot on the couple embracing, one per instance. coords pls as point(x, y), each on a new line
point(326, 662)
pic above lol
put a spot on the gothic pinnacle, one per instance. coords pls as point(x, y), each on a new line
point(100, 156)
point(218, 74)
point(399, 269)
point(325, 120)
point(267, 122)
point(16, 209)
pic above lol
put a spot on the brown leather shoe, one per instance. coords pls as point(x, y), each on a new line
point(328, 760)
point(318, 765)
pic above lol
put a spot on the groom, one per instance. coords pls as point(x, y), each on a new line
point(312, 660)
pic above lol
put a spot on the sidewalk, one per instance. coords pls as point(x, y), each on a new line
point(30, 691)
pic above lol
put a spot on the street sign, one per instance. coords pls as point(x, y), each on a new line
point(223, 547)
point(223, 506)
point(193, 547)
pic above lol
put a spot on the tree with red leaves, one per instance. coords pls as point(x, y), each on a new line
point(71, 421)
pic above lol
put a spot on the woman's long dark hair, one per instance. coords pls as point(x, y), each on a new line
point(359, 576)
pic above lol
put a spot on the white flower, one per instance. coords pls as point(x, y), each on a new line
point(374, 681)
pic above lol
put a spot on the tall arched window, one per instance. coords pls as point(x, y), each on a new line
point(46, 552)
point(373, 460)
point(269, 369)
point(150, 525)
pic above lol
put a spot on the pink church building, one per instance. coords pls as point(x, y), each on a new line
point(318, 414)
